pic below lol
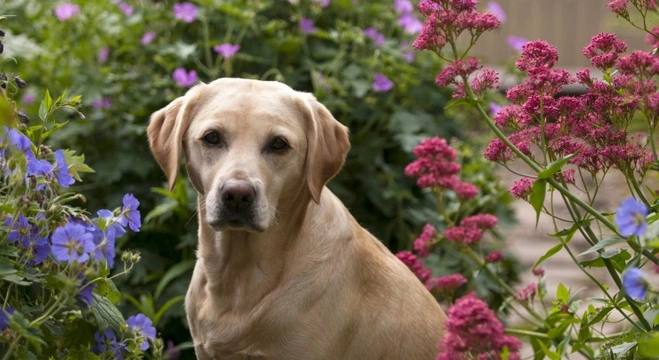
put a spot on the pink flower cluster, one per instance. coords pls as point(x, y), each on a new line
point(415, 264)
point(527, 293)
point(591, 125)
point(471, 229)
point(447, 283)
point(473, 330)
point(435, 167)
point(425, 240)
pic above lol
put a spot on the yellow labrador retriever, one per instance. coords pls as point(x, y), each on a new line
point(283, 270)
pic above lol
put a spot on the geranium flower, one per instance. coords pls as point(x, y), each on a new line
point(20, 230)
point(630, 217)
point(184, 78)
point(4, 317)
point(107, 342)
point(85, 292)
point(227, 50)
point(634, 283)
point(130, 212)
point(61, 170)
point(307, 27)
point(148, 37)
point(72, 243)
point(185, 12)
point(142, 326)
point(497, 10)
point(381, 83)
point(373, 34)
point(66, 11)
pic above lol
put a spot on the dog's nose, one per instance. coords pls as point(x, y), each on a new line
point(238, 194)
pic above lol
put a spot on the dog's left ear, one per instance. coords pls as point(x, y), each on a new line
point(327, 146)
point(166, 129)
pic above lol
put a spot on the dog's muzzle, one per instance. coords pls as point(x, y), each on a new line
point(237, 205)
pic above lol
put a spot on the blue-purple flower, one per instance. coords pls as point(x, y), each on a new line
point(142, 326)
point(227, 50)
point(635, 283)
point(307, 27)
point(630, 217)
point(105, 240)
point(36, 167)
point(72, 242)
point(38, 243)
point(61, 170)
point(381, 83)
point(19, 140)
point(184, 78)
point(85, 292)
point(20, 230)
point(130, 213)
point(66, 11)
point(4, 317)
point(107, 342)
point(148, 37)
point(185, 12)
point(375, 35)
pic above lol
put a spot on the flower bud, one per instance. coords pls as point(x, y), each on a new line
point(158, 346)
point(2, 32)
point(20, 82)
point(125, 257)
point(24, 118)
point(2, 47)
point(135, 258)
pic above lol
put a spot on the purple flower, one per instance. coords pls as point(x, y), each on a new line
point(307, 27)
point(403, 6)
point(185, 12)
point(28, 99)
point(516, 42)
point(381, 83)
point(20, 230)
point(495, 9)
point(125, 8)
point(184, 78)
point(630, 217)
point(376, 36)
point(38, 167)
point(410, 23)
point(495, 108)
point(72, 242)
point(85, 292)
point(4, 317)
point(66, 11)
point(19, 140)
point(102, 103)
point(142, 326)
point(62, 170)
point(171, 353)
point(103, 54)
point(227, 50)
point(107, 342)
point(130, 212)
point(105, 240)
point(634, 283)
point(323, 3)
point(148, 37)
point(40, 248)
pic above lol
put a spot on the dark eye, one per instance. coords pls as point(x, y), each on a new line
point(212, 138)
point(278, 145)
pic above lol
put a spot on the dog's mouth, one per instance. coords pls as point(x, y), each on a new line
point(232, 221)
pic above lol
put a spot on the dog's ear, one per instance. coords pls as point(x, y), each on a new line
point(166, 129)
point(327, 146)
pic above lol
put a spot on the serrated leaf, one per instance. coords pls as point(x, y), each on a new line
point(554, 167)
point(106, 314)
point(602, 244)
point(551, 252)
point(537, 198)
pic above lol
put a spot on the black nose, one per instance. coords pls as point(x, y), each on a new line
point(238, 194)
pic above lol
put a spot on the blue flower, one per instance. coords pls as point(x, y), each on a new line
point(630, 217)
point(62, 170)
point(71, 243)
point(381, 83)
point(20, 230)
point(142, 326)
point(19, 140)
point(37, 167)
point(40, 247)
point(86, 292)
point(106, 342)
point(634, 283)
point(130, 212)
point(4, 317)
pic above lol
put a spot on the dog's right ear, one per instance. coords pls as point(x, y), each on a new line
point(166, 130)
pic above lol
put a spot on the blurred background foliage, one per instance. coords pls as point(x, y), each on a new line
point(98, 53)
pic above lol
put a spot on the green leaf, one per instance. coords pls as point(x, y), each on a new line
point(551, 252)
point(107, 288)
point(649, 346)
point(600, 315)
point(554, 167)
point(45, 106)
point(537, 197)
point(163, 309)
point(562, 293)
point(106, 314)
point(6, 267)
point(470, 103)
point(602, 244)
point(622, 349)
point(171, 274)
point(160, 210)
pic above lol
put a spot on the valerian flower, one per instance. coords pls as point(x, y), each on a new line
point(630, 217)
point(422, 243)
point(415, 264)
point(634, 283)
point(143, 327)
point(72, 243)
point(447, 283)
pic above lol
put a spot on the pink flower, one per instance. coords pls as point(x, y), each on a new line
point(497, 10)
point(185, 11)
point(465, 190)
point(102, 103)
point(447, 283)
point(125, 8)
point(465, 235)
point(619, 7)
point(103, 54)
point(540, 272)
point(516, 42)
point(148, 37)
point(373, 34)
point(527, 293)
point(227, 50)
point(482, 221)
point(521, 188)
point(415, 264)
point(66, 11)
point(603, 50)
point(307, 27)
point(381, 83)
point(184, 78)
point(422, 243)
point(537, 54)
point(473, 330)
point(429, 38)
point(434, 165)
point(494, 257)
point(28, 99)
point(653, 38)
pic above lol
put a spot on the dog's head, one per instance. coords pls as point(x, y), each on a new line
point(249, 146)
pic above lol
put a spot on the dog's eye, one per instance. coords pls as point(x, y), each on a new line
point(212, 138)
point(278, 145)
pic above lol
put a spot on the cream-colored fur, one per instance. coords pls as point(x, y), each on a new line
point(295, 277)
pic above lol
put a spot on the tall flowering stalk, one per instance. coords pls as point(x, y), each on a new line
point(565, 141)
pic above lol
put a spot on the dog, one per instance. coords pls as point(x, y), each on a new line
point(283, 270)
